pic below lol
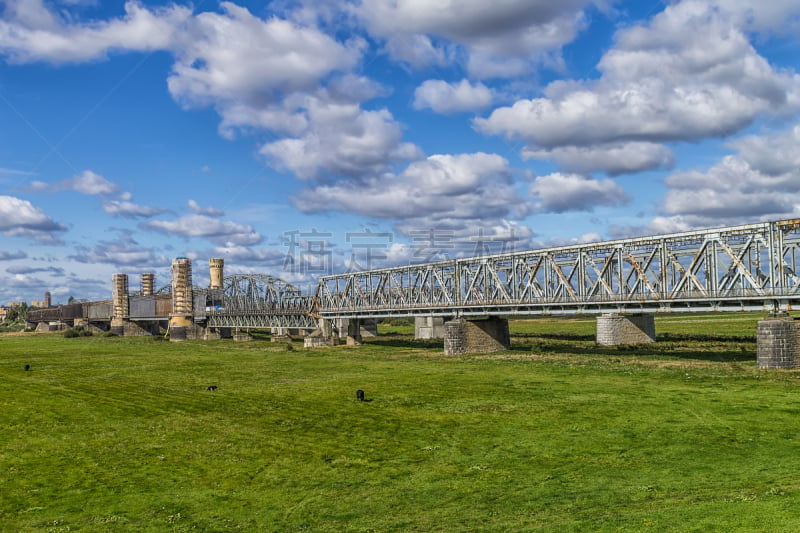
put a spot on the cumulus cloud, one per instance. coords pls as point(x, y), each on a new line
point(499, 39)
point(761, 181)
point(20, 218)
point(690, 73)
point(29, 31)
point(295, 81)
point(10, 256)
point(614, 159)
point(87, 182)
point(731, 188)
point(343, 139)
point(197, 209)
point(235, 56)
point(124, 251)
point(451, 200)
point(447, 185)
point(558, 193)
point(126, 209)
point(259, 74)
point(213, 229)
point(774, 154)
point(448, 98)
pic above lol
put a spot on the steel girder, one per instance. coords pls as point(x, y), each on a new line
point(300, 320)
point(751, 266)
point(257, 292)
point(261, 301)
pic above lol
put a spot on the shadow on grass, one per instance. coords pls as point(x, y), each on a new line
point(405, 342)
point(689, 346)
point(663, 337)
point(701, 337)
point(671, 350)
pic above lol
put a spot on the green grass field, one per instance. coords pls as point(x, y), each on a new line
point(556, 434)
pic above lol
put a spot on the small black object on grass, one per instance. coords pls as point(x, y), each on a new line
point(211, 387)
point(27, 367)
point(360, 395)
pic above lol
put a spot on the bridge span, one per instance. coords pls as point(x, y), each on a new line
point(737, 268)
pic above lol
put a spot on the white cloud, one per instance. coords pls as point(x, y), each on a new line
point(213, 229)
point(615, 158)
point(732, 188)
point(121, 252)
point(126, 209)
point(87, 183)
point(31, 32)
point(558, 193)
point(20, 218)
point(447, 98)
point(501, 38)
point(195, 208)
point(446, 185)
point(761, 181)
point(689, 74)
point(343, 139)
point(237, 57)
point(771, 154)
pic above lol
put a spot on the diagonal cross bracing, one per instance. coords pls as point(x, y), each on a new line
point(748, 266)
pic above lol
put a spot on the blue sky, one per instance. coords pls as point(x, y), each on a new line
point(300, 137)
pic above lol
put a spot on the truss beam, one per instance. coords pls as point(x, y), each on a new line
point(744, 267)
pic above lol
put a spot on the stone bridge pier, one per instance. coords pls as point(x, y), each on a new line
point(778, 342)
point(462, 336)
point(617, 329)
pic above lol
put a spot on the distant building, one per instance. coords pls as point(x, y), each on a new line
point(42, 304)
point(3, 314)
point(15, 305)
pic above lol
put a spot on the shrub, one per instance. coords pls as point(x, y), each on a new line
point(71, 333)
point(108, 334)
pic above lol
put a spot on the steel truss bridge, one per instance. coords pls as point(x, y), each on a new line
point(259, 301)
point(746, 267)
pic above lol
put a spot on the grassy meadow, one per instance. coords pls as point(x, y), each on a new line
point(556, 434)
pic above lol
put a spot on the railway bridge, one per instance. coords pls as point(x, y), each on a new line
point(467, 301)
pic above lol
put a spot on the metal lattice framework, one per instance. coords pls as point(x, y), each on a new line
point(261, 301)
point(745, 267)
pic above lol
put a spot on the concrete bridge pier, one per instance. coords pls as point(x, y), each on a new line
point(488, 335)
point(279, 335)
point(353, 332)
point(368, 327)
point(778, 342)
point(322, 336)
point(429, 327)
point(616, 329)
